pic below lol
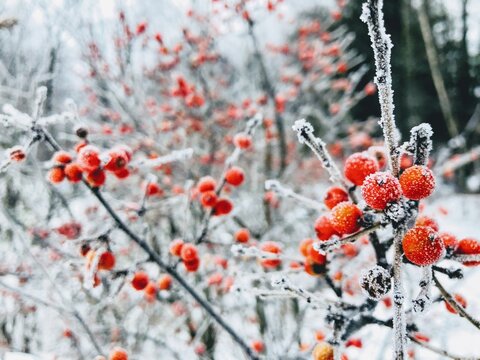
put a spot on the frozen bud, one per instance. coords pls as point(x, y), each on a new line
point(376, 282)
point(82, 132)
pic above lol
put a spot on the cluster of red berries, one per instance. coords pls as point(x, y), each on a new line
point(209, 195)
point(88, 164)
point(141, 281)
point(187, 252)
point(314, 261)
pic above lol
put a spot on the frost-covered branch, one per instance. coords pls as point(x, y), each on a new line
point(282, 191)
point(323, 246)
point(423, 300)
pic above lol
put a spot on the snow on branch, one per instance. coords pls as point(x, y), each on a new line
point(420, 143)
point(279, 189)
point(372, 15)
point(305, 136)
point(178, 155)
point(423, 300)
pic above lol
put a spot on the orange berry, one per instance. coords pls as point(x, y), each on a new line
point(56, 175)
point(422, 246)
point(117, 161)
point(118, 354)
point(424, 220)
point(335, 195)
point(460, 300)
point(192, 265)
point(417, 182)
point(313, 268)
point(150, 289)
point(305, 246)
point(96, 177)
point(323, 351)
point(358, 166)
point(206, 183)
point(189, 252)
point(176, 247)
point(345, 218)
point(468, 246)
point(274, 248)
point(235, 176)
point(208, 199)
point(106, 261)
point(165, 282)
point(222, 207)
point(315, 256)
point(242, 141)
point(89, 157)
point(73, 172)
point(62, 157)
point(140, 280)
point(324, 228)
point(379, 189)
point(242, 235)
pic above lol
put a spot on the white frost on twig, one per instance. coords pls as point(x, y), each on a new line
point(178, 155)
point(279, 189)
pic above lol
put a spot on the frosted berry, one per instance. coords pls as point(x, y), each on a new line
point(323, 351)
point(358, 166)
point(208, 199)
point(376, 282)
point(324, 228)
point(118, 354)
point(176, 247)
point(222, 207)
point(449, 240)
point(460, 301)
point(242, 235)
point(468, 246)
point(206, 183)
point(117, 161)
point(165, 282)
point(271, 247)
point(379, 189)
point(56, 175)
point(17, 154)
point(422, 246)
point(235, 176)
point(334, 196)
point(62, 157)
point(73, 172)
point(305, 245)
point(189, 252)
point(314, 256)
point(417, 182)
point(345, 218)
point(140, 280)
point(242, 141)
point(424, 220)
point(89, 157)
point(122, 173)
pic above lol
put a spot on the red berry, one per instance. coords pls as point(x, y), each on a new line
point(335, 195)
point(96, 177)
point(358, 166)
point(370, 89)
point(315, 256)
point(345, 218)
point(305, 246)
point(222, 207)
point(140, 280)
point(89, 157)
point(165, 282)
point(106, 261)
point(118, 354)
point(468, 246)
point(242, 141)
point(379, 189)
point(258, 346)
point(424, 220)
point(62, 157)
point(56, 175)
point(208, 199)
point(422, 246)
point(206, 183)
point(271, 247)
point(417, 182)
point(242, 235)
point(449, 240)
point(176, 247)
point(235, 176)
point(324, 228)
point(117, 161)
point(17, 154)
point(189, 252)
point(192, 265)
point(460, 300)
point(153, 189)
point(73, 172)
point(122, 173)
